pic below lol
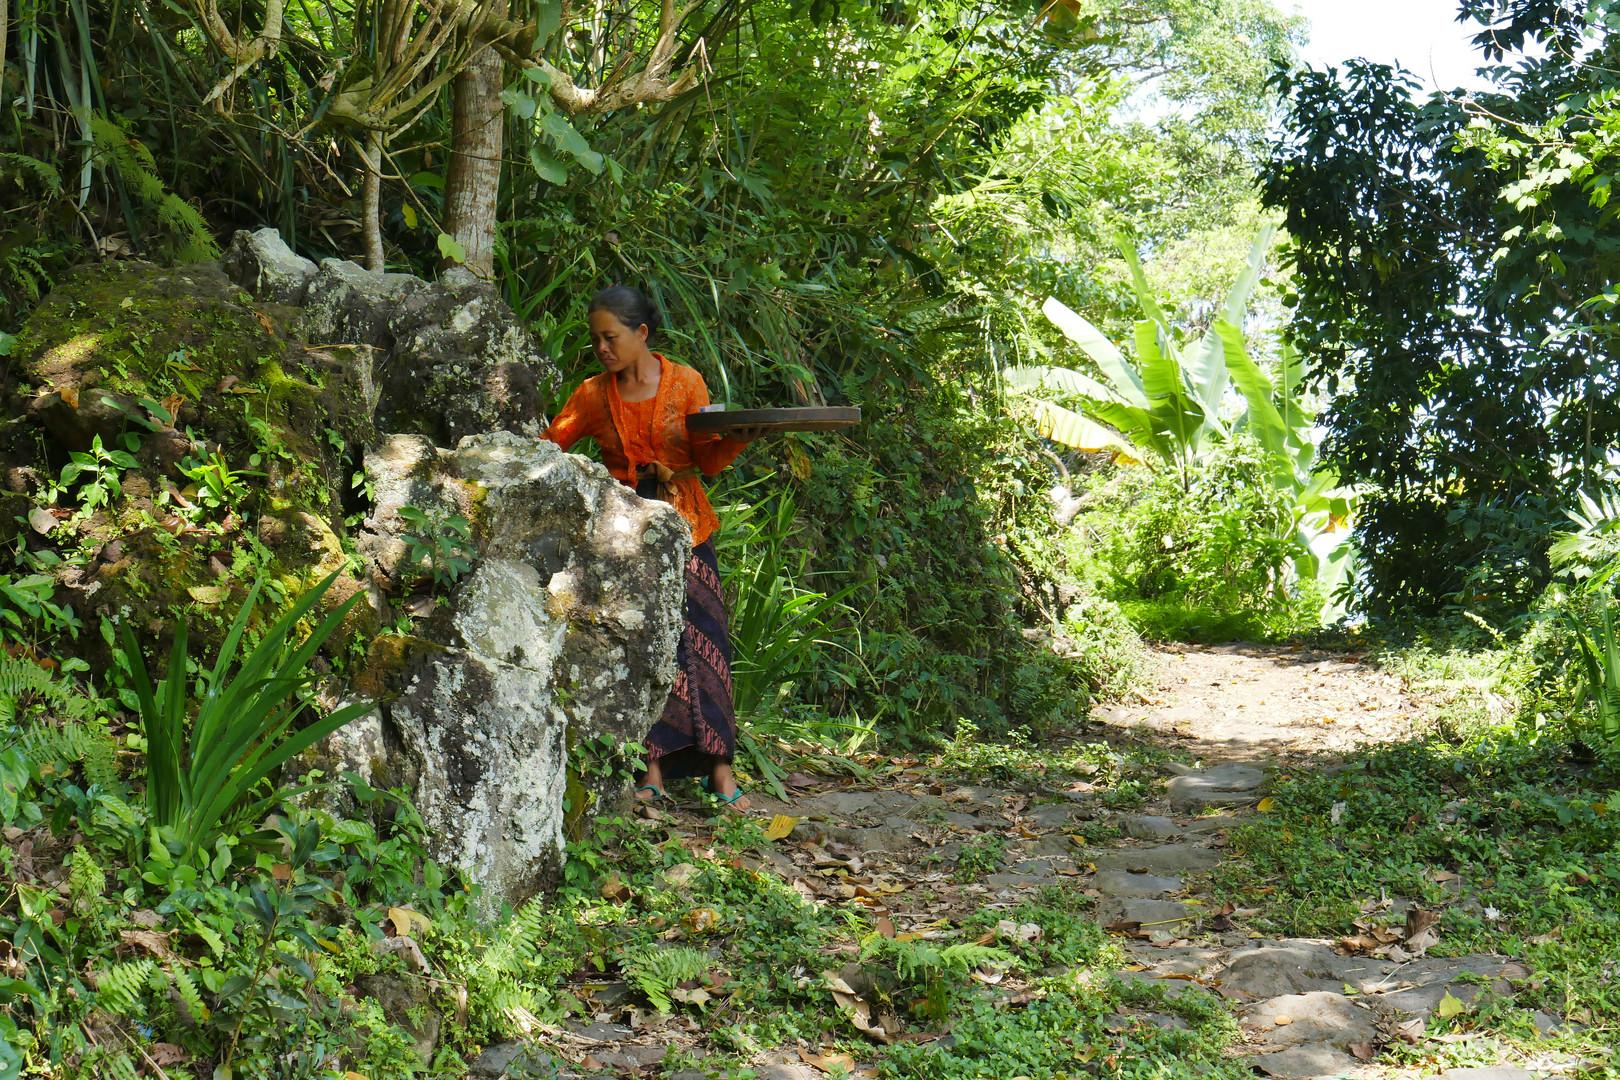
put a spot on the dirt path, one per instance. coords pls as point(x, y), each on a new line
point(1306, 1007)
point(1253, 702)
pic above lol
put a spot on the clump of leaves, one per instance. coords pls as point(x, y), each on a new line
point(658, 970)
point(979, 857)
point(240, 735)
point(443, 543)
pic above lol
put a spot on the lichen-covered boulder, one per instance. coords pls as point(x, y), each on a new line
point(183, 370)
point(263, 264)
point(565, 625)
point(451, 358)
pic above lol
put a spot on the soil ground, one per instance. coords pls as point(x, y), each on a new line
point(1234, 716)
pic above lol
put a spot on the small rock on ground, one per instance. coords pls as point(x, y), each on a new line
point(1122, 883)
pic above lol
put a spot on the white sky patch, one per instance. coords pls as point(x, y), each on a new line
point(1422, 36)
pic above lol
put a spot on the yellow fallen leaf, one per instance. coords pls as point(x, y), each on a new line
point(406, 921)
point(355, 1076)
point(1266, 805)
point(1449, 1007)
point(780, 826)
point(209, 594)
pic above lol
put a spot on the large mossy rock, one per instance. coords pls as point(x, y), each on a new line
point(328, 396)
point(182, 366)
point(565, 626)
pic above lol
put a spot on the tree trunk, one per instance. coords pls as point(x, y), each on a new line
point(5, 15)
point(476, 143)
point(371, 205)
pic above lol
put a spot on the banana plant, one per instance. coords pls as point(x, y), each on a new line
point(1167, 404)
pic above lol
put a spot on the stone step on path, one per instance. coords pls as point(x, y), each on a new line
point(1305, 1009)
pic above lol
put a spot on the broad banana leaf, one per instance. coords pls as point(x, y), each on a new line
point(1079, 433)
point(1176, 412)
point(1054, 378)
point(1127, 386)
point(1237, 300)
point(1264, 422)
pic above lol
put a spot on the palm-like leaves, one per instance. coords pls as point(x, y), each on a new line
point(239, 735)
point(1168, 402)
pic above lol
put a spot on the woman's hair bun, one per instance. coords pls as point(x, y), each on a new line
point(630, 306)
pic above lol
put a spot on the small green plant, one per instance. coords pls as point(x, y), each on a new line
point(1600, 670)
point(26, 601)
point(219, 488)
point(980, 857)
point(197, 773)
point(656, 970)
point(444, 543)
point(97, 472)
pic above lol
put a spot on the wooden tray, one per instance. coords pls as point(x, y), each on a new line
point(816, 418)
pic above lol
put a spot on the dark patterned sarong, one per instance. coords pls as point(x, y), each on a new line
point(699, 722)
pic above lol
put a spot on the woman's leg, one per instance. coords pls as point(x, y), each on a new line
point(652, 778)
point(724, 782)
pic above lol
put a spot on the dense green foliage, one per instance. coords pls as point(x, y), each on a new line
point(1451, 259)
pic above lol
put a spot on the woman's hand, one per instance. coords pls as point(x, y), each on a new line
point(746, 434)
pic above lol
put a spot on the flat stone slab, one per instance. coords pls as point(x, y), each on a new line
point(1317, 1017)
point(1434, 979)
point(1213, 823)
point(1177, 959)
point(1222, 785)
point(1305, 1060)
point(1122, 883)
point(1274, 968)
point(1020, 881)
point(1052, 817)
point(1166, 859)
point(956, 817)
point(1152, 914)
point(1054, 847)
point(1148, 828)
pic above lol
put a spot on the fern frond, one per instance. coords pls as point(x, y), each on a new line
point(656, 971)
point(121, 987)
point(189, 995)
point(43, 171)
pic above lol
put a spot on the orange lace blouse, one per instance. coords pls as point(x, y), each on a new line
point(636, 433)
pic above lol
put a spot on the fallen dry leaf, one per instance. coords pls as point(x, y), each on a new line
point(591, 1063)
point(701, 920)
point(166, 1054)
point(1449, 1006)
point(41, 520)
point(1266, 805)
point(153, 942)
point(407, 920)
point(885, 927)
point(781, 825)
point(1364, 1051)
point(826, 1062)
point(614, 890)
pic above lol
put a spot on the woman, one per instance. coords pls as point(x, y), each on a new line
point(636, 411)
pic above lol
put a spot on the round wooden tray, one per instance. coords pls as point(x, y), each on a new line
point(816, 418)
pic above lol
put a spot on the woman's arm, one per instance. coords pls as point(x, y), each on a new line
point(711, 452)
point(579, 418)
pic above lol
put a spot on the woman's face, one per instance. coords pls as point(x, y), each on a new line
point(616, 345)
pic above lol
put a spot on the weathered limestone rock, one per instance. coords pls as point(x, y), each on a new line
point(1224, 785)
point(263, 264)
point(568, 622)
point(450, 358)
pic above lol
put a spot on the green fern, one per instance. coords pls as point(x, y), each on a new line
point(656, 971)
point(43, 172)
point(121, 987)
point(86, 881)
point(189, 996)
point(133, 162)
point(516, 944)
